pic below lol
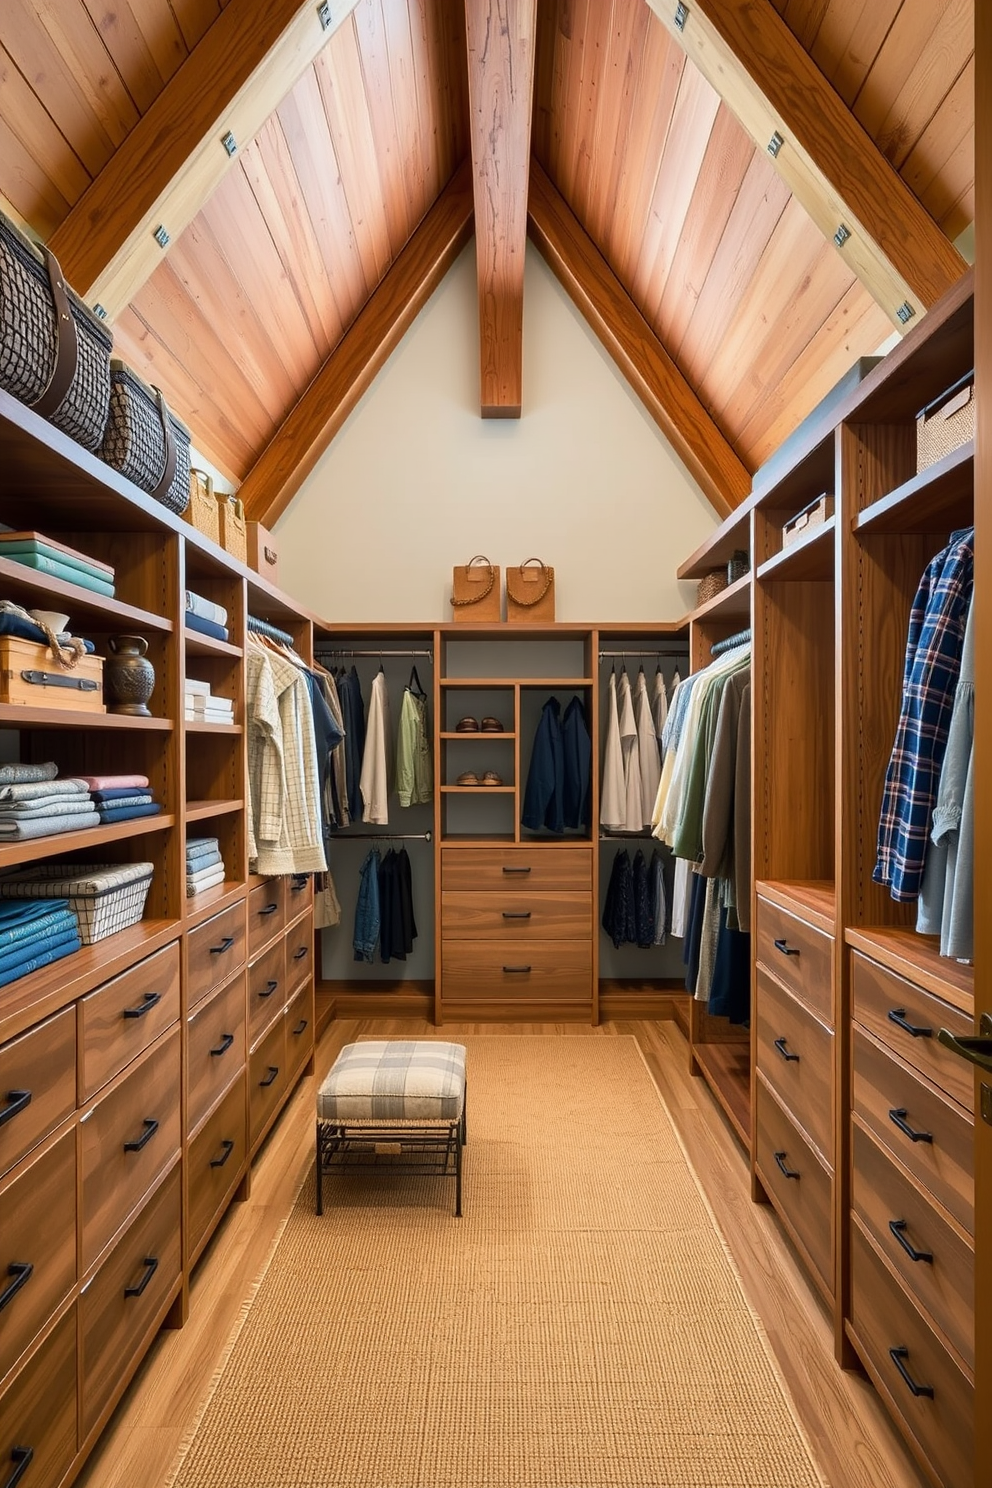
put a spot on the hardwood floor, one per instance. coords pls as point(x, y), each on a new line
point(855, 1445)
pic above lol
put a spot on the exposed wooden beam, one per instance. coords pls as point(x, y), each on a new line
point(576, 261)
point(308, 429)
point(763, 74)
point(501, 45)
point(173, 159)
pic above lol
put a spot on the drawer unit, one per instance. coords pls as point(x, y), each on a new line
point(515, 915)
point(37, 1244)
point(215, 949)
point(37, 1084)
point(800, 955)
point(298, 891)
point(123, 1302)
point(215, 1163)
point(299, 1030)
point(930, 1254)
point(934, 1397)
point(38, 1411)
point(125, 1016)
point(495, 869)
point(541, 971)
point(795, 1054)
point(931, 1135)
point(796, 1180)
point(299, 952)
point(266, 913)
point(267, 988)
point(215, 1048)
point(908, 1019)
point(267, 1080)
point(128, 1138)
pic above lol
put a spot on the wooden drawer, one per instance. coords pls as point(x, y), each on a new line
point(115, 1177)
point(37, 1084)
point(299, 953)
point(549, 971)
point(299, 1030)
point(298, 889)
point(886, 1091)
point(121, 1306)
point(266, 990)
point(795, 1053)
point(216, 1047)
point(38, 1411)
point(124, 1016)
point(266, 914)
point(885, 1003)
point(483, 870)
point(215, 949)
point(267, 1080)
point(942, 1278)
point(215, 1162)
point(884, 1319)
point(804, 1201)
point(516, 916)
point(798, 954)
point(37, 1244)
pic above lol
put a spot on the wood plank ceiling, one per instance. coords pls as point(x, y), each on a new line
point(758, 312)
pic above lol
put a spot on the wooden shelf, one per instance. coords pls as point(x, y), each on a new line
point(726, 1068)
point(212, 901)
point(477, 734)
point(478, 790)
point(485, 684)
point(810, 557)
point(733, 535)
point(203, 810)
point(193, 727)
point(13, 716)
point(203, 645)
point(732, 603)
point(14, 854)
point(918, 958)
point(91, 611)
point(813, 900)
point(937, 500)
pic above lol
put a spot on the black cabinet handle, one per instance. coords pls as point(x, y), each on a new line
point(786, 949)
point(517, 969)
point(507, 869)
point(150, 1000)
point(780, 1046)
point(218, 1162)
point(299, 883)
point(269, 909)
point(20, 1271)
point(789, 1172)
point(151, 1266)
point(299, 1028)
point(300, 953)
point(270, 987)
point(16, 1101)
point(898, 1118)
point(226, 1040)
point(270, 1077)
point(898, 1016)
point(516, 914)
point(897, 1226)
point(897, 1355)
point(21, 1458)
point(225, 945)
point(151, 1127)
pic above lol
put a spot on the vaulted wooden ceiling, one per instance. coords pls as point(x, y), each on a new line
point(284, 287)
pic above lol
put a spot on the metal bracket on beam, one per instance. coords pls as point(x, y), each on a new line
point(161, 236)
point(681, 15)
point(775, 144)
point(842, 234)
point(230, 143)
point(905, 313)
point(324, 15)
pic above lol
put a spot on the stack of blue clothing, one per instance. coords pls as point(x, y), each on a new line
point(204, 865)
point(34, 934)
point(121, 803)
point(206, 617)
point(33, 803)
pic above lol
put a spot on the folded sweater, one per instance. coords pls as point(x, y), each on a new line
point(42, 826)
point(114, 782)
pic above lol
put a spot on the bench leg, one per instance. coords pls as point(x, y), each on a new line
point(320, 1175)
point(463, 1133)
point(458, 1171)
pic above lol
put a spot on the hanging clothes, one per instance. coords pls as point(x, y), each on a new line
point(353, 710)
point(284, 828)
point(577, 766)
point(414, 764)
point(365, 937)
point(544, 792)
point(612, 801)
point(648, 756)
point(659, 897)
point(630, 753)
point(398, 929)
point(327, 737)
point(659, 708)
point(375, 781)
point(336, 788)
point(644, 920)
point(618, 910)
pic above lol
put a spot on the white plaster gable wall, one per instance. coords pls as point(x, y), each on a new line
point(416, 481)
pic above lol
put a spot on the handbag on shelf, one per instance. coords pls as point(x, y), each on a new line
point(530, 593)
point(145, 441)
point(475, 590)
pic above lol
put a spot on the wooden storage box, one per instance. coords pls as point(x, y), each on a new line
point(263, 552)
point(946, 423)
point(813, 515)
point(48, 685)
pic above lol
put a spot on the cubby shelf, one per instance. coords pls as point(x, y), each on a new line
point(814, 900)
point(12, 715)
point(203, 645)
point(918, 957)
point(87, 610)
point(936, 500)
point(478, 790)
point(13, 854)
point(488, 734)
point(195, 727)
point(732, 603)
point(203, 810)
point(810, 557)
point(212, 901)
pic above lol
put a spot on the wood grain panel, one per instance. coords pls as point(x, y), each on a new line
point(266, 914)
point(267, 988)
point(804, 1081)
point(493, 869)
point(39, 1409)
point(515, 917)
point(40, 1065)
point(37, 1229)
point(124, 1016)
point(878, 992)
point(804, 1200)
point(215, 1162)
point(216, 1047)
point(215, 950)
point(924, 51)
point(797, 954)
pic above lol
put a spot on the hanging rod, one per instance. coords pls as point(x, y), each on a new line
point(743, 637)
point(340, 651)
point(262, 627)
point(645, 835)
point(681, 650)
point(378, 836)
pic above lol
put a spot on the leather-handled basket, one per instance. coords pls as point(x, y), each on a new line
point(530, 593)
point(475, 591)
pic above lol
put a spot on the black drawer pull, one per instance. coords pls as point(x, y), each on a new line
point(228, 1146)
point(299, 883)
point(898, 1118)
point(271, 1077)
point(226, 1040)
point(16, 1101)
point(516, 914)
point(897, 1355)
point(150, 1000)
point(786, 949)
point(898, 1016)
point(300, 1027)
point(780, 1046)
point(517, 969)
point(225, 945)
point(269, 909)
point(270, 987)
point(151, 1266)
point(789, 1172)
point(897, 1226)
point(21, 1458)
point(300, 953)
point(151, 1127)
point(507, 869)
point(20, 1271)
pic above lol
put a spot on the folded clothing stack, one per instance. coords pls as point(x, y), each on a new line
point(204, 865)
point(34, 803)
point(47, 556)
point(118, 798)
point(205, 617)
point(34, 935)
point(203, 706)
point(105, 897)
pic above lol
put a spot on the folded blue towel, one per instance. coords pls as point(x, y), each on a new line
point(110, 814)
point(21, 920)
point(44, 826)
point(46, 941)
point(205, 627)
point(202, 864)
point(118, 793)
point(135, 798)
point(43, 959)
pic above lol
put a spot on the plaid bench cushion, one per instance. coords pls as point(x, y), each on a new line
point(394, 1080)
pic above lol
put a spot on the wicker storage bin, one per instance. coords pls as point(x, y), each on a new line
point(106, 897)
point(144, 441)
point(710, 585)
point(233, 528)
point(54, 352)
point(202, 511)
point(946, 423)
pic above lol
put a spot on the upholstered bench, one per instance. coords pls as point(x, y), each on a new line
point(399, 1098)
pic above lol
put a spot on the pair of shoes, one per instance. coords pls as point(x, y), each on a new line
point(469, 777)
point(470, 725)
point(491, 726)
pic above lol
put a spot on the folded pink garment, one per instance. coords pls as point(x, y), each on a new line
point(112, 782)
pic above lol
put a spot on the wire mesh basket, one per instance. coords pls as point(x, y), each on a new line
point(106, 897)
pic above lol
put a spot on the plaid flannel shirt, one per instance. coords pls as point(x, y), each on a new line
point(933, 661)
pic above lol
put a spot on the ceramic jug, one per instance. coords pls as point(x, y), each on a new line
point(128, 676)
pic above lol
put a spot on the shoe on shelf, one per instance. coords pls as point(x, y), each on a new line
point(491, 778)
point(467, 777)
point(491, 726)
point(467, 725)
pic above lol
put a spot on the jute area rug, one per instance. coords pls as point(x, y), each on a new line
point(582, 1326)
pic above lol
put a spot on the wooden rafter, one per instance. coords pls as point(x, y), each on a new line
point(173, 159)
point(763, 74)
point(501, 44)
point(308, 429)
point(576, 261)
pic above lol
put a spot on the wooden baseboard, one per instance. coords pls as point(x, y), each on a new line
point(662, 1000)
point(378, 999)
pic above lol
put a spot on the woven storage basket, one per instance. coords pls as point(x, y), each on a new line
point(57, 360)
point(203, 512)
point(233, 528)
point(144, 441)
point(710, 585)
point(946, 423)
point(106, 897)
